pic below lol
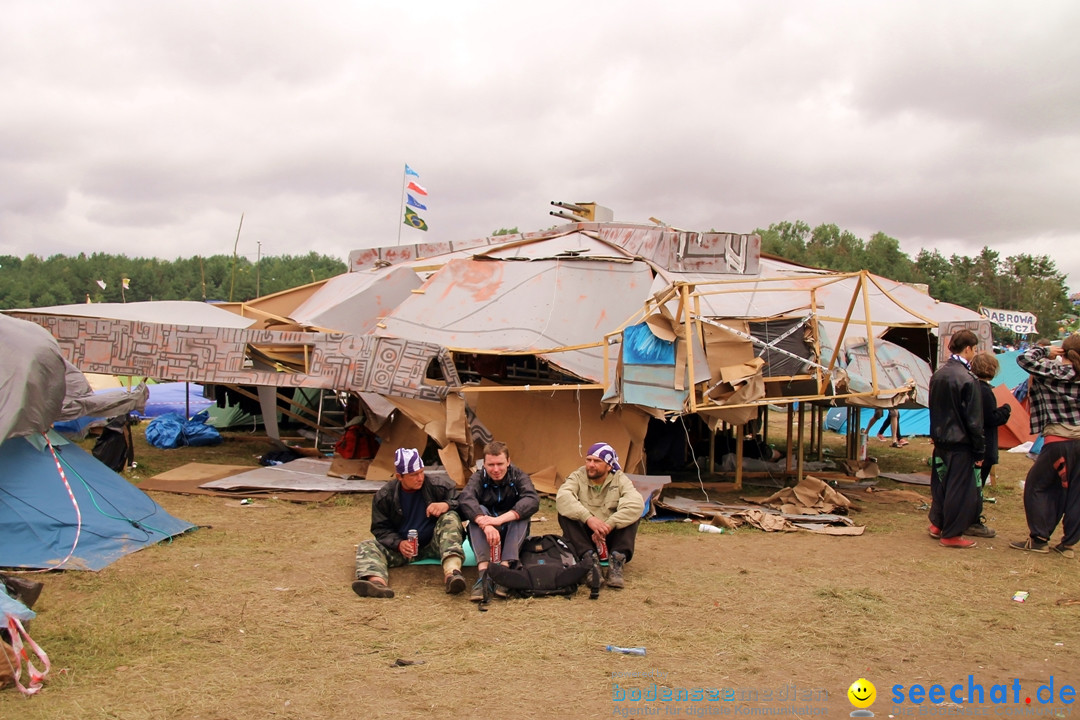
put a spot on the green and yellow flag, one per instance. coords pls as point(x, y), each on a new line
point(413, 220)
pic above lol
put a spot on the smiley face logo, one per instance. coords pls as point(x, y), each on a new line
point(862, 694)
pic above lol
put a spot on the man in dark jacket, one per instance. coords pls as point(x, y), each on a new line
point(411, 501)
point(956, 428)
point(498, 501)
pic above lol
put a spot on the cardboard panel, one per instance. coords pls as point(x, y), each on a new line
point(451, 462)
point(557, 428)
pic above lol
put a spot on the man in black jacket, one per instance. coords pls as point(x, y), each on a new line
point(957, 430)
point(411, 501)
point(498, 501)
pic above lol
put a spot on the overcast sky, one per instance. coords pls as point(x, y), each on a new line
point(146, 128)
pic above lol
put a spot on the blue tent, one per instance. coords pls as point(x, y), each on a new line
point(912, 422)
point(38, 520)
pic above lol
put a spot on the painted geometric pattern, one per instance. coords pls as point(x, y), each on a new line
point(388, 366)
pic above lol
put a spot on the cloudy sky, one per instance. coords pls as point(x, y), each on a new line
point(147, 128)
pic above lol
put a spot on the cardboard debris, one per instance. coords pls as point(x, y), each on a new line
point(763, 518)
point(812, 496)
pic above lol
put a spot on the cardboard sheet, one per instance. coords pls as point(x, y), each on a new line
point(300, 474)
point(187, 479)
point(557, 428)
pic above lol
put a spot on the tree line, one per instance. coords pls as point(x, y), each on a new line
point(61, 280)
point(1029, 283)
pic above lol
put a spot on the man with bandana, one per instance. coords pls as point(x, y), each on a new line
point(411, 501)
point(599, 507)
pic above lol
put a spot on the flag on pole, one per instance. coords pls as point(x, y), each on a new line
point(101, 284)
point(415, 221)
point(126, 282)
point(414, 202)
point(416, 188)
point(410, 171)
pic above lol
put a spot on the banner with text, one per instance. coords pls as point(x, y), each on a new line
point(1021, 323)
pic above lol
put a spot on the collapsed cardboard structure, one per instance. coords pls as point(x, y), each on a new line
point(548, 341)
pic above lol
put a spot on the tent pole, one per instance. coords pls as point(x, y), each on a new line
point(712, 451)
point(740, 432)
point(802, 417)
point(787, 455)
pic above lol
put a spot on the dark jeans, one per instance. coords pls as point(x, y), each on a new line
point(512, 535)
point(1052, 490)
point(579, 537)
point(954, 505)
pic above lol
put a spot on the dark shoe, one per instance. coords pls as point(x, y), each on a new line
point(23, 590)
point(367, 588)
point(1030, 545)
point(455, 583)
point(934, 530)
point(615, 570)
point(1066, 551)
point(477, 594)
point(980, 530)
point(956, 542)
point(501, 592)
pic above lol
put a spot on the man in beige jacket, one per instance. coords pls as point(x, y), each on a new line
point(599, 510)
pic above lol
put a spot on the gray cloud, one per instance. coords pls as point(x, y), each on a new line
point(148, 128)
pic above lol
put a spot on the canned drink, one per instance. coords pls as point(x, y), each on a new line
point(414, 541)
point(601, 549)
point(496, 552)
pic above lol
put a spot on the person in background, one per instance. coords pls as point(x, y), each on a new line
point(1052, 486)
point(985, 367)
point(891, 418)
point(411, 501)
point(498, 501)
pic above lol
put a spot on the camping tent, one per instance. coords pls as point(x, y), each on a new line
point(40, 524)
point(59, 506)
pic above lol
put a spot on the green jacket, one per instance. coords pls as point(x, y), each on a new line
point(616, 501)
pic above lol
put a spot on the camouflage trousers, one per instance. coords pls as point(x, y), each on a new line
point(374, 558)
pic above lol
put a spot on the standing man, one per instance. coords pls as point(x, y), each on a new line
point(498, 501)
point(599, 506)
point(956, 428)
point(411, 502)
point(1052, 487)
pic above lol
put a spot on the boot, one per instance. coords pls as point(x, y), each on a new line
point(25, 591)
point(615, 569)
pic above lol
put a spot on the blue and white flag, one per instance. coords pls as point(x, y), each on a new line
point(410, 171)
point(410, 200)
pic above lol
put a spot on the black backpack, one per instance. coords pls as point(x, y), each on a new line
point(114, 447)
point(547, 566)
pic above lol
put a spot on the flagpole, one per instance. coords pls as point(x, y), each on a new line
point(401, 208)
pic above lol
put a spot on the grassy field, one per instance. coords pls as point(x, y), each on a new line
point(252, 616)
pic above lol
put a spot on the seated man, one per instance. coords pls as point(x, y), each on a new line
point(411, 502)
point(498, 501)
point(599, 508)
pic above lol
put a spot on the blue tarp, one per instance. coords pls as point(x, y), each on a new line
point(175, 397)
point(914, 422)
point(38, 521)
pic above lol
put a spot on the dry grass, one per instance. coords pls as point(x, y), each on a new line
point(252, 616)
